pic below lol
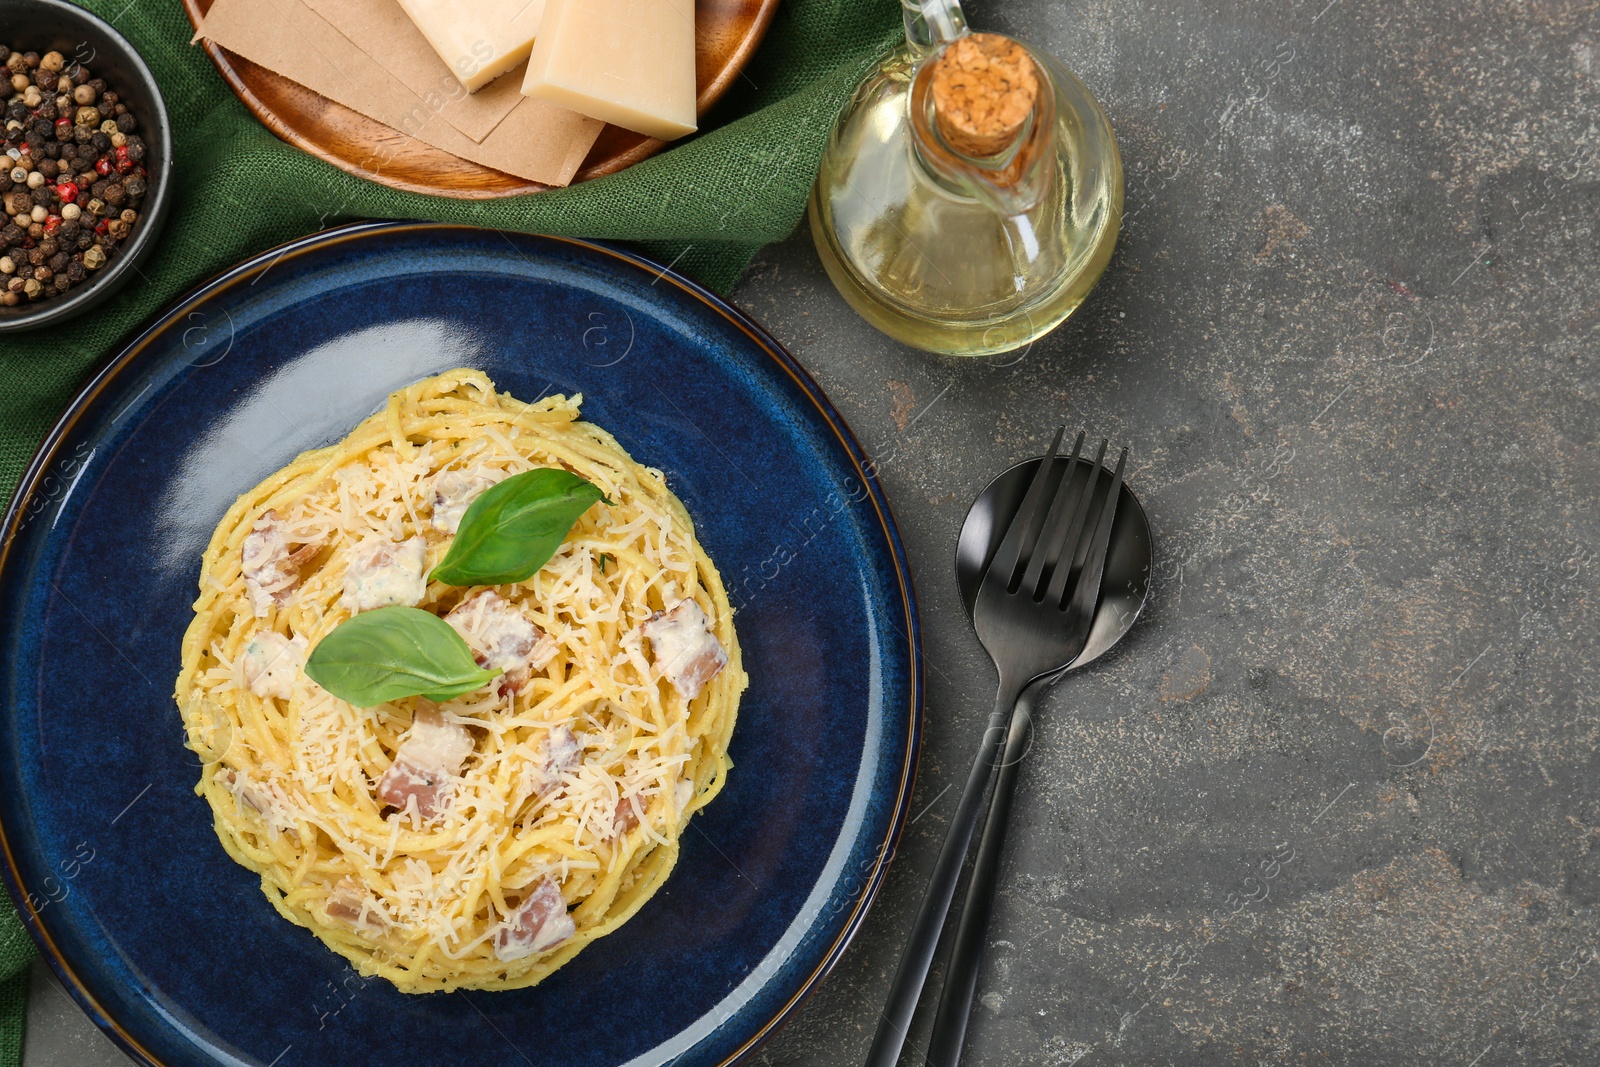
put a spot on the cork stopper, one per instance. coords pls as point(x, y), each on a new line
point(984, 87)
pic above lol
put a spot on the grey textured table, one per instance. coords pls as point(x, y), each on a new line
point(1335, 802)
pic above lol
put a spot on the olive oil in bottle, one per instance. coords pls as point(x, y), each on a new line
point(970, 195)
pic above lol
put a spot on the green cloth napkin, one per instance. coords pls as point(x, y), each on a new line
point(706, 206)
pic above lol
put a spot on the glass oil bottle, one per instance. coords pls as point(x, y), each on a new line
point(970, 195)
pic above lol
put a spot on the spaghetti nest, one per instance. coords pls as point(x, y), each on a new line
point(482, 842)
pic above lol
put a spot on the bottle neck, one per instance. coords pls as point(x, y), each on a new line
point(1013, 178)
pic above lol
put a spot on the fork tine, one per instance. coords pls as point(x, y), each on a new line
point(1081, 534)
point(1004, 563)
point(1087, 592)
point(1065, 505)
point(1079, 526)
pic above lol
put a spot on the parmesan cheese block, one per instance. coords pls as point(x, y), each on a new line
point(479, 40)
point(626, 62)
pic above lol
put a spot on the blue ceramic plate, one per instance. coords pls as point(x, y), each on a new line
point(167, 943)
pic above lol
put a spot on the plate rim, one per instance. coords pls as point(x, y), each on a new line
point(129, 355)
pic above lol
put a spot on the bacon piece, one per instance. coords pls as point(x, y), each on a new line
point(427, 762)
point(540, 922)
point(562, 753)
point(501, 636)
point(266, 800)
point(270, 663)
point(453, 493)
point(271, 568)
point(383, 572)
point(626, 816)
point(683, 647)
point(353, 904)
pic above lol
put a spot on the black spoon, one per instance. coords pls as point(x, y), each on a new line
point(1123, 591)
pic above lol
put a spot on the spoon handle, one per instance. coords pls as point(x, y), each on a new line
point(961, 976)
point(918, 956)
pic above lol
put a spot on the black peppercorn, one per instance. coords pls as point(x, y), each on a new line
point(17, 110)
point(135, 187)
point(35, 256)
point(115, 195)
point(101, 141)
point(11, 234)
point(85, 239)
point(126, 122)
point(47, 111)
point(76, 271)
point(49, 168)
point(69, 231)
point(48, 246)
point(61, 282)
point(82, 134)
point(58, 262)
point(98, 85)
point(43, 274)
point(35, 141)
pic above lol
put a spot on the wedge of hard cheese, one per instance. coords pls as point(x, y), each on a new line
point(478, 39)
point(628, 62)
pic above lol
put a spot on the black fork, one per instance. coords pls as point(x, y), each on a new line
point(1033, 614)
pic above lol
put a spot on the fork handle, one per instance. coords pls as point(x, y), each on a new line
point(895, 1020)
point(961, 976)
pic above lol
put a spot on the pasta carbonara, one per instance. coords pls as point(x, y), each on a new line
point(479, 843)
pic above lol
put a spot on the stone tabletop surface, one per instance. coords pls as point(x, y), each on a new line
point(1336, 799)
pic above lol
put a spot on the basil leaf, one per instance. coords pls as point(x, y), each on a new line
point(389, 653)
point(514, 527)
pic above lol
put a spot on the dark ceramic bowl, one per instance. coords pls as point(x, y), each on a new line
point(54, 25)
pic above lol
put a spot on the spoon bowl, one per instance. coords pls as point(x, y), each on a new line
point(1129, 555)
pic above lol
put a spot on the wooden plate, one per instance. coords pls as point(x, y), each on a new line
point(726, 35)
